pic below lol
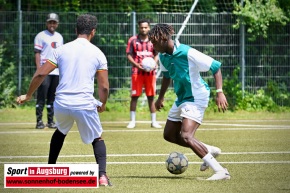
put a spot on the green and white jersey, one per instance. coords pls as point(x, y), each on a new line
point(184, 67)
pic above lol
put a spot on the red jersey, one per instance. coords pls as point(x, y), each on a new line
point(140, 49)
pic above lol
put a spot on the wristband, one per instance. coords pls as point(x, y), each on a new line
point(219, 90)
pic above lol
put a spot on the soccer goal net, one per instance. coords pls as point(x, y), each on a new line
point(169, 6)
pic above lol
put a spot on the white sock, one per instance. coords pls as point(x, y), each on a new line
point(212, 162)
point(133, 116)
point(153, 117)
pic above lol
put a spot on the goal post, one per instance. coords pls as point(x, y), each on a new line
point(182, 28)
point(186, 19)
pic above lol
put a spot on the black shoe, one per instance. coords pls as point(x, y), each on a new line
point(39, 125)
point(51, 125)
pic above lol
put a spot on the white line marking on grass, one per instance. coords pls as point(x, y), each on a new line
point(141, 155)
point(126, 163)
point(152, 130)
point(244, 129)
point(246, 125)
point(210, 122)
point(244, 162)
point(254, 153)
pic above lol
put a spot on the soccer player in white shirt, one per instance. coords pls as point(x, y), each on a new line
point(45, 43)
point(78, 62)
point(183, 65)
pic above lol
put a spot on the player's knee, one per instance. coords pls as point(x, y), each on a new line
point(186, 137)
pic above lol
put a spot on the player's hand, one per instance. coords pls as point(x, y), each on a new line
point(102, 108)
point(139, 66)
point(159, 104)
point(156, 67)
point(221, 102)
point(22, 99)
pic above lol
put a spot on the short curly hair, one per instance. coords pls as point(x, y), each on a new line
point(86, 23)
point(144, 21)
point(160, 31)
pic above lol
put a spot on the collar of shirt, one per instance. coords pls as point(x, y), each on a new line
point(176, 45)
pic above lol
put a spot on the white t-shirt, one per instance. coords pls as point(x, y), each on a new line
point(46, 42)
point(77, 61)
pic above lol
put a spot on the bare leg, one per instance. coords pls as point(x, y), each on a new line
point(133, 103)
point(151, 104)
point(183, 135)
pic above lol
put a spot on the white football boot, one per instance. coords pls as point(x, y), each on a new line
point(214, 151)
point(156, 125)
point(131, 125)
point(220, 175)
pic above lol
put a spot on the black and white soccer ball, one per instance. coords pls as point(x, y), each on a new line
point(176, 163)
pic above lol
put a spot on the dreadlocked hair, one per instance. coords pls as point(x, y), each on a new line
point(160, 31)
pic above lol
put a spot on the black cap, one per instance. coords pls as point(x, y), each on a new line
point(52, 17)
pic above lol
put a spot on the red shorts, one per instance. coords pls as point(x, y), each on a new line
point(146, 80)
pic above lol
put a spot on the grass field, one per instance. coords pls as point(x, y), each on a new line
point(255, 149)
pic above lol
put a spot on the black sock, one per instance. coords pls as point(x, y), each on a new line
point(56, 143)
point(100, 153)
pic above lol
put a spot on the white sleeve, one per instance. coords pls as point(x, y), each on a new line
point(103, 63)
point(38, 42)
point(55, 55)
point(162, 68)
point(61, 39)
point(199, 59)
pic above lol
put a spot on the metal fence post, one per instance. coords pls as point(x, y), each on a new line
point(242, 53)
point(134, 23)
point(19, 47)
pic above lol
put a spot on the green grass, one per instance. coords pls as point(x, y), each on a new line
point(27, 114)
point(256, 151)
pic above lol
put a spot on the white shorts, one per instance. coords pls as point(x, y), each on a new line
point(190, 110)
point(88, 122)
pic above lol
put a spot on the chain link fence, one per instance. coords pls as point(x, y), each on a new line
point(266, 60)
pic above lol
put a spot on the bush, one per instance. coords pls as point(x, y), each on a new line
point(261, 101)
point(7, 80)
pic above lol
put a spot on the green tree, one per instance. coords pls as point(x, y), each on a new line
point(258, 15)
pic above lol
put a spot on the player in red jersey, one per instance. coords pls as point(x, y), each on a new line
point(140, 47)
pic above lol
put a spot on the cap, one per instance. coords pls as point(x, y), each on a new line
point(52, 17)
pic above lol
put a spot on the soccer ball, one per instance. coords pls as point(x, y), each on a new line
point(176, 163)
point(148, 64)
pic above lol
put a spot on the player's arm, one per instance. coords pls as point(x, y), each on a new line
point(36, 81)
point(206, 63)
point(37, 58)
point(156, 58)
point(164, 86)
point(130, 51)
point(221, 99)
point(132, 61)
point(103, 88)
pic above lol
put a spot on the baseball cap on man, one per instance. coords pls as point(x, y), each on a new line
point(52, 17)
